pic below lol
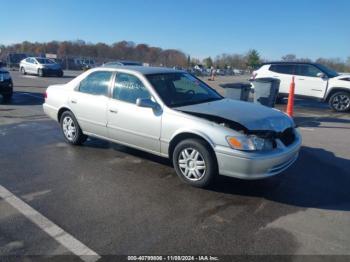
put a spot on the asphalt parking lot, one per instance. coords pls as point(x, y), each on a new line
point(115, 200)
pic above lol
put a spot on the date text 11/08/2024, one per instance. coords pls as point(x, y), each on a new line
point(173, 258)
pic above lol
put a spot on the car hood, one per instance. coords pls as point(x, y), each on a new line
point(252, 116)
point(340, 77)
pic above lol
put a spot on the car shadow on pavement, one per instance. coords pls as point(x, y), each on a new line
point(318, 179)
point(103, 144)
point(317, 121)
point(24, 99)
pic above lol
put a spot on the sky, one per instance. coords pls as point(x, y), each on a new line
point(201, 28)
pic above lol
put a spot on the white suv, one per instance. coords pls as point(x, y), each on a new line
point(311, 80)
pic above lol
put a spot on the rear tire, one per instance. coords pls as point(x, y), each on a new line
point(71, 129)
point(340, 101)
point(23, 71)
point(195, 163)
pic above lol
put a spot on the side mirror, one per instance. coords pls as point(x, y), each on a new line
point(146, 102)
point(321, 75)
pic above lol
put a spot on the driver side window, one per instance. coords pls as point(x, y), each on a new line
point(307, 70)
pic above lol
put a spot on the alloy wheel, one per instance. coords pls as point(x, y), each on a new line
point(192, 164)
point(341, 102)
point(69, 128)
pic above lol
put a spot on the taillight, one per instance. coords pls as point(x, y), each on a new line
point(45, 95)
point(254, 75)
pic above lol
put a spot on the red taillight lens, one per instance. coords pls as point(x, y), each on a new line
point(45, 95)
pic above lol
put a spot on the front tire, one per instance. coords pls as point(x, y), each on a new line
point(60, 74)
point(340, 101)
point(195, 163)
point(71, 129)
point(40, 72)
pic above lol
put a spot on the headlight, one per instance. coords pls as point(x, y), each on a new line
point(249, 143)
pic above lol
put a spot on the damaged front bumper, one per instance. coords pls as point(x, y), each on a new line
point(259, 164)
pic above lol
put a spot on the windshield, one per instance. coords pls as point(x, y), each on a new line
point(45, 61)
point(180, 89)
point(330, 73)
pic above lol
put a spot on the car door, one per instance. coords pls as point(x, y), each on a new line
point(35, 66)
point(283, 72)
point(29, 65)
point(89, 102)
point(128, 123)
point(307, 83)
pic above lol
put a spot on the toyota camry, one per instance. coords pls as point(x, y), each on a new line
point(173, 114)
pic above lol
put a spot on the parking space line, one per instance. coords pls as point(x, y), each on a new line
point(57, 233)
point(306, 128)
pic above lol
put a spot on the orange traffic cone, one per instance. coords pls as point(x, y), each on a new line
point(290, 105)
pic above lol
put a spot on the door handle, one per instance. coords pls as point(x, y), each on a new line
point(74, 101)
point(301, 79)
point(114, 111)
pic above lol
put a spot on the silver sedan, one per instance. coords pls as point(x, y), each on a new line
point(40, 66)
point(175, 115)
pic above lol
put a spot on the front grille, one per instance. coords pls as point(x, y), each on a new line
point(287, 136)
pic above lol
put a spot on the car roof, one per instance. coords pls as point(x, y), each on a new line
point(144, 70)
point(37, 57)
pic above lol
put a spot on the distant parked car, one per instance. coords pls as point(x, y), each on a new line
point(173, 114)
point(238, 71)
point(87, 64)
point(6, 85)
point(40, 66)
point(311, 80)
point(220, 72)
point(123, 63)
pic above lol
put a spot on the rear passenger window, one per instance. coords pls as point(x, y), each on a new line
point(129, 88)
point(96, 83)
point(283, 69)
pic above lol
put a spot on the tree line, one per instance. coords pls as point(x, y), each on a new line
point(124, 50)
point(252, 59)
